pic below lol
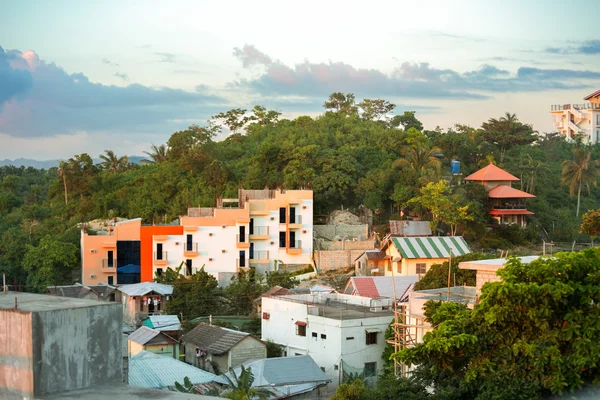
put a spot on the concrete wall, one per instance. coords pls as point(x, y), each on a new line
point(368, 244)
point(335, 259)
point(483, 277)
point(331, 232)
point(76, 348)
point(16, 355)
point(248, 348)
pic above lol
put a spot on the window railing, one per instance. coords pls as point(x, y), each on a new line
point(295, 219)
point(259, 230)
point(190, 246)
point(259, 255)
point(108, 263)
point(160, 256)
point(518, 206)
point(243, 262)
point(295, 244)
point(242, 238)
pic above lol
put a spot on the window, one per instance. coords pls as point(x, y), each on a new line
point(399, 267)
point(159, 271)
point(188, 243)
point(314, 334)
point(242, 258)
point(323, 336)
point(292, 239)
point(371, 338)
point(336, 367)
point(110, 259)
point(297, 354)
point(110, 280)
point(188, 267)
point(281, 239)
point(370, 369)
point(350, 338)
point(292, 215)
point(282, 215)
point(389, 266)
point(159, 251)
point(300, 328)
point(421, 268)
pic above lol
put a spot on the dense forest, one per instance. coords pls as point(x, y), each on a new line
point(353, 154)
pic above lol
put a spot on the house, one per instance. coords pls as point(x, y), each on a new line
point(261, 229)
point(150, 370)
point(486, 269)
point(575, 119)
point(100, 292)
point(141, 300)
point(154, 341)
point(343, 334)
point(507, 204)
point(217, 349)
point(286, 377)
point(397, 287)
point(169, 324)
point(415, 255)
point(370, 263)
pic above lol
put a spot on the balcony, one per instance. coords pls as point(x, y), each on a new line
point(295, 221)
point(242, 263)
point(295, 247)
point(108, 265)
point(190, 249)
point(584, 106)
point(243, 241)
point(510, 206)
point(259, 257)
point(259, 233)
point(161, 258)
point(258, 208)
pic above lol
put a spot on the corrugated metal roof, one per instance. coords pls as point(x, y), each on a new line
point(431, 247)
point(382, 286)
point(163, 322)
point(214, 339)
point(141, 289)
point(154, 371)
point(143, 335)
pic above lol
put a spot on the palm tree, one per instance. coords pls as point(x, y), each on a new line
point(582, 170)
point(533, 168)
point(158, 154)
point(111, 162)
point(423, 161)
point(63, 167)
point(240, 388)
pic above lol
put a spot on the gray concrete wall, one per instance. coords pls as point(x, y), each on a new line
point(77, 348)
point(334, 232)
point(248, 348)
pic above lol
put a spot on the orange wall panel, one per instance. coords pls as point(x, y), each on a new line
point(146, 249)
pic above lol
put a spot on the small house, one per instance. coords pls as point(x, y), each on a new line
point(370, 263)
point(153, 341)
point(141, 300)
point(381, 286)
point(216, 349)
point(168, 324)
point(486, 269)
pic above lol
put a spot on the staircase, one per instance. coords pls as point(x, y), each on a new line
point(574, 128)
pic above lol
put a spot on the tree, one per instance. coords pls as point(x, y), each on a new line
point(111, 162)
point(407, 120)
point(530, 335)
point(422, 161)
point(157, 155)
point(581, 171)
point(437, 276)
point(234, 119)
point(349, 391)
point(507, 132)
point(373, 110)
point(274, 349)
point(263, 117)
point(10, 183)
point(590, 224)
point(281, 278)
point(242, 291)
point(50, 263)
point(169, 276)
point(240, 387)
point(341, 103)
point(195, 296)
point(63, 167)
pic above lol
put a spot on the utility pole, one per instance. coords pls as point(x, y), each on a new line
point(449, 274)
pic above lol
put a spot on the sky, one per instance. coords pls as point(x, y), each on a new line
point(85, 76)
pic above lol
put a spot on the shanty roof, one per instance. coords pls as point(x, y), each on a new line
point(163, 322)
point(431, 246)
point(79, 291)
point(595, 94)
point(144, 335)
point(372, 255)
point(141, 289)
point(491, 173)
point(381, 286)
point(286, 376)
point(214, 339)
point(506, 192)
point(155, 371)
point(494, 263)
point(510, 212)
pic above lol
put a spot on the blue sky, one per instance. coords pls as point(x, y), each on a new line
point(87, 76)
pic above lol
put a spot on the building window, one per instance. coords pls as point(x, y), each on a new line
point(350, 338)
point(399, 267)
point(110, 280)
point(111, 259)
point(297, 354)
point(282, 215)
point(336, 367)
point(314, 334)
point(281, 240)
point(300, 328)
point(188, 267)
point(371, 338)
point(159, 271)
point(370, 369)
point(323, 336)
point(421, 268)
point(389, 267)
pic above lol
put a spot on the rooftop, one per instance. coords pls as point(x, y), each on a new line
point(431, 246)
point(141, 289)
point(214, 339)
point(41, 302)
point(144, 335)
point(491, 173)
point(507, 192)
point(163, 322)
point(493, 264)
point(381, 286)
point(595, 94)
point(124, 392)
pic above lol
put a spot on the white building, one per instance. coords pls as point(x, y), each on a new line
point(344, 334)
point(573, 119)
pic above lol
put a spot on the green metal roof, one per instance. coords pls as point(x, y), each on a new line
point(431, 246)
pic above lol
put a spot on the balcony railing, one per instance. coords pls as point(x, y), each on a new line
point(242, 238)
point(259, 255)
point(259, 230)
point(162, 256)
point(108, 263)
point(584, 106)
point(296, 244)
point(190, 247)
point(243, 262)
point(295, 219)
point(519, 206)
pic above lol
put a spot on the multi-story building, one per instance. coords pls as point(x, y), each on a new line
point(262, 229)
point(344, 334)
point(575, 119)
point(507, 204)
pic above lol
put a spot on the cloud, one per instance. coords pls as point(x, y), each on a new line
point(108, 62)
point(123, 77)
point(409, 80)
point(456, 37)
point(588, 47)
point(40, 99)
point(166, 57)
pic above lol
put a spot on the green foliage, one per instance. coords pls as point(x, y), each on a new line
point(390, 387)
point(274, 349)
point(533, 334)
point(591, 223)
point(582, 171)
point(170, 275)
point(195, 296)
point(437, 276)
point(240, 387)
point(282, 278)
point(49, 263)
point(349, 391)
point(241, 292)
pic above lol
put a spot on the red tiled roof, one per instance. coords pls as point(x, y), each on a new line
point(491, 173)
point(510, 212)
point(597, 93)
point(366, 287)
point(506, 192)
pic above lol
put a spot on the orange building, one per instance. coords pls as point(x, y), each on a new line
point(507, 204)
